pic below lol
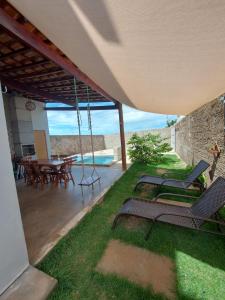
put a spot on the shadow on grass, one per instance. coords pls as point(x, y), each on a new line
point(199, 257)
point(176, 169)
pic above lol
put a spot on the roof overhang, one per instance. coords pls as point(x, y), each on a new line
point(33, 66)
point(159, 56)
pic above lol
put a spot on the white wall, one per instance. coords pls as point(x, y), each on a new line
point(21, 122)
point(13, 252)
point(40, 122)
point(24, 121)
point(10, 113)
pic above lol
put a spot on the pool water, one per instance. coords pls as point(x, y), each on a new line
point(99, 160)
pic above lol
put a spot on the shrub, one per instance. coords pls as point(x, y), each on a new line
point(170, 123)
point(148, 148)
point(202, 179)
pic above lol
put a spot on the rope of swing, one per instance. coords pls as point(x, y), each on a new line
point(79, 128)
point(90, 126)
point(91, 133)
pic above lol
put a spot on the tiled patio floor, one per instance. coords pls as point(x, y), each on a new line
point(47, 212)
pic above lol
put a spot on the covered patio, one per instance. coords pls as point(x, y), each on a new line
point(34, 68)
point(35, 73)
point(49, 213)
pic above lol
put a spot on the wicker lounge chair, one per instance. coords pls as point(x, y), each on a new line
point(203, 210)
point(191, 179)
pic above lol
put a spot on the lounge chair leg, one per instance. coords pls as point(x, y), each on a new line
point(217, 218)
point(136, 187)
point(150, 230)
point(158, 188)
point(115, 221)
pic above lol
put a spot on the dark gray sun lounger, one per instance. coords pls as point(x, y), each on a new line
point(182, 184)
point(203, 210)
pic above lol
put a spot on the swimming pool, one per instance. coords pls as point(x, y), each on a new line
point(99, 160)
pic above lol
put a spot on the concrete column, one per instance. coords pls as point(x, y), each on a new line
point(13, 251)
point(122, 137)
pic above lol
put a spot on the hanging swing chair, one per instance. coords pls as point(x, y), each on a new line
point(86, 181)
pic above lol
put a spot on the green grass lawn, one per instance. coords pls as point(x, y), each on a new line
point(199, 257)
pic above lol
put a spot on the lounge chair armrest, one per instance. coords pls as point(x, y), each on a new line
point(193, 217)
point(136, 198)
point(143, 175)
point(184, 181)
point(164, 175)
point(173, 194)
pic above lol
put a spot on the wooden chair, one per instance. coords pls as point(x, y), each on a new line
point(28, 172)
point(39, 175)
point(54, 157)
point(27, 158)
point(64, 173)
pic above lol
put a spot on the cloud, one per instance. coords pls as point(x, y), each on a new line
point(104, 122)
point(134, 115)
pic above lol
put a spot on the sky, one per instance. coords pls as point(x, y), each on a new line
point(105, 122)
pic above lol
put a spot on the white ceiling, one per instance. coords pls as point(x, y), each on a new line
point(164, 56)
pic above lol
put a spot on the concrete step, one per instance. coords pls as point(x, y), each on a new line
point(31, 285)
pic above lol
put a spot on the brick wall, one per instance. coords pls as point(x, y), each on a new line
point(197, 133)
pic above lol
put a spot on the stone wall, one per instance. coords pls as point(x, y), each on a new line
point(113, 140)
point(69, 144)
point(198, 132)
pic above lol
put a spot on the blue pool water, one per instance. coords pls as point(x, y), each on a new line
point(99, 160)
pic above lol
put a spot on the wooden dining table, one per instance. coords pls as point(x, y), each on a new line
point(50, 163)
